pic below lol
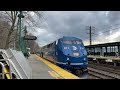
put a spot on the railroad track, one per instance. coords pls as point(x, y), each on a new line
point(104, 68)
point(99, 74)
point(92, 77)
point(102, 72)
point(106, 65)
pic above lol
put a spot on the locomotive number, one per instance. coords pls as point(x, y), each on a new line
point(66, 47)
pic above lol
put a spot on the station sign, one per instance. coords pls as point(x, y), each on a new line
point(30, 37)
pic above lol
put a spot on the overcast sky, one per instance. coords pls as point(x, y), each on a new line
point(73, 23)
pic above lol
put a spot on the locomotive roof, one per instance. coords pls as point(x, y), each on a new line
point(65, 38)
point(69, 38)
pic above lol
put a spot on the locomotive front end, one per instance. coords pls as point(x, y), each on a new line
point(74, 55)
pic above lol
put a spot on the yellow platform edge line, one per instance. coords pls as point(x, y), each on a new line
point(60, 71)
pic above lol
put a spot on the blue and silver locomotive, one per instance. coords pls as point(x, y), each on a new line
point(68, 53)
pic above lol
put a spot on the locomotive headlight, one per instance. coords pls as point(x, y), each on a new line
point(76, 54)
point(84, 59)
point(68, 58)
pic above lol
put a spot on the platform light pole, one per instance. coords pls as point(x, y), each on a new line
point(23, 37)
point(20, 16)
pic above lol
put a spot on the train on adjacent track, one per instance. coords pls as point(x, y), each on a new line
point(68, 53)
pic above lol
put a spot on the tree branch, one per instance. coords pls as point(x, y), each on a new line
point(12, 15)
point(12, 41)
point(8, 14)
point(7, 18)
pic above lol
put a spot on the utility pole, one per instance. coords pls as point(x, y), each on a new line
point(90, 35)
point(90, 28)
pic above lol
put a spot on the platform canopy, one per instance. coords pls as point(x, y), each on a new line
point(104, 45)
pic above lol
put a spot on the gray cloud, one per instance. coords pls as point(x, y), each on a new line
point(60, 23)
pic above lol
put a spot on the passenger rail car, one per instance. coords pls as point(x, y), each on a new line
point(68, 53)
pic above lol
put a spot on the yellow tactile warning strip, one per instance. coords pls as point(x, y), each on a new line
point(54, 74)
point(60, 71)
point(7, 71)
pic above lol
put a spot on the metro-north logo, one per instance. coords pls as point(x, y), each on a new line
point(74, 47)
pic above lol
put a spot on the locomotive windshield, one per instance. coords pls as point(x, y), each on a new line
point(72, 42)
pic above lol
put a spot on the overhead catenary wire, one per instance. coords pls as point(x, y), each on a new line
point(105, 31)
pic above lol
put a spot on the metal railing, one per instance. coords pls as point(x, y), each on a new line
point(14, 65)
point(4, 72)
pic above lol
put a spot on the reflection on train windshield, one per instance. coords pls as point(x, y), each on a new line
point(72, 42)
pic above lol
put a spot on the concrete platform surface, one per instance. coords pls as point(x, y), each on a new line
point(39, 69)
point(43, 69)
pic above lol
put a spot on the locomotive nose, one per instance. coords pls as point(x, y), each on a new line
point(68, 62)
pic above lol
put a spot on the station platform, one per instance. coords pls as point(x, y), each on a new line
point(107, 59)
point(43, 69)
point(103, 57)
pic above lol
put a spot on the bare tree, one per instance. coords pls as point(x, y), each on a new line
point(3, 33)
point(11, 18)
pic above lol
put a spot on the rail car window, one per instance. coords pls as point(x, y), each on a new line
point(67, 42)
point(48, 45)
point(78, 42)
point(72, 42)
